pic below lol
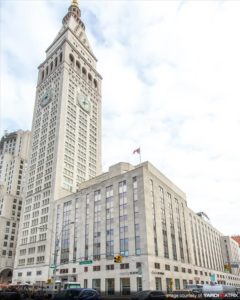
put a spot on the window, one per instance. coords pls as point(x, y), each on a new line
point(177, 284)
point(84, 71)
point(39, 273)
point(139, 284)
point(41, 248)
point(85, 269)
point(124, 266)
point(175, 268)
point(138, 265)
point(71, 58)
point(157, 265)
point(96, 268)
point(158, 283)
point(78, 64)
point(29, 273)
point(40, 259)
point(31, 250)
point(183, 270)
point(109, 267)
point(20, 274)
point(95, 83)
point(184, 283)
point(167, 267)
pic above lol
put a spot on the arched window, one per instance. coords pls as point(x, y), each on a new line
point(95, 83)
point(71, 58)
point(47, 71)
point(60, 57)
point(51, 66)
point(56, 61)
point(42, 74)
point(89, 77)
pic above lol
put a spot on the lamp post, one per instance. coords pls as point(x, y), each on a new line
point(55, 254)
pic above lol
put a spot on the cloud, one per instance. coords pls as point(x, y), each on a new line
point(170, 85)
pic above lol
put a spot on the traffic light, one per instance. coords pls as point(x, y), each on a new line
point(227, 268)
point(118, 259)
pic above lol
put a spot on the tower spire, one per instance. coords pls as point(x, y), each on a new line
point(75, 2)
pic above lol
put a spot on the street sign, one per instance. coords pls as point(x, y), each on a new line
point(52, 266)
point(86, 262)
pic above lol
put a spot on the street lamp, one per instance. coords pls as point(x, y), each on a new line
point(55, 254)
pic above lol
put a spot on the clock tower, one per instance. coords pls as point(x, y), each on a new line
point(66, 141)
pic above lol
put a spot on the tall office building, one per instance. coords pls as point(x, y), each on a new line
point(14, 148)
point(66, 139)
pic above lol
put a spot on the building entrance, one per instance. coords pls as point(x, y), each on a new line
point(110, 286)
point(125, 286)
point(6, 276)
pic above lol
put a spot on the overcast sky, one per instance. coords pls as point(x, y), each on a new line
point(171, 85)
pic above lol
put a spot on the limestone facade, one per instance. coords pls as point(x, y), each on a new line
point(66, 138)
point(139, 213)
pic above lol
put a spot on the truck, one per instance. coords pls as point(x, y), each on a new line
point(71, 285)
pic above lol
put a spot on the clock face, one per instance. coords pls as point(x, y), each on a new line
point(84, 103)
point(47, 97)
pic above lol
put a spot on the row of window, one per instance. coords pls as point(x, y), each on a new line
point(53, 65)
point(20, 274)
point(31, 260)
point(83, 71)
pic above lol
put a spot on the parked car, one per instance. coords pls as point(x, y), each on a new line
point(147, 295)
point(78, 294)
point(9, 295)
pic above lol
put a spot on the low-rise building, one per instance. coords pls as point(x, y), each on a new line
point(137, 214)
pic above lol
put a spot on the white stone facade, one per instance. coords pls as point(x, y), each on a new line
point(139, 213)
point(14, 149)
point(231, 255)
point(66, 139)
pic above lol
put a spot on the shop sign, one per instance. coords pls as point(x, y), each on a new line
point(157, 273)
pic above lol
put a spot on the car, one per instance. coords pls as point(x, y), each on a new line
point(78, 294)
point(147, 295)
point(9, 295)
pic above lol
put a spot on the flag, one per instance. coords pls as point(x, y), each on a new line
point(136, 151)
